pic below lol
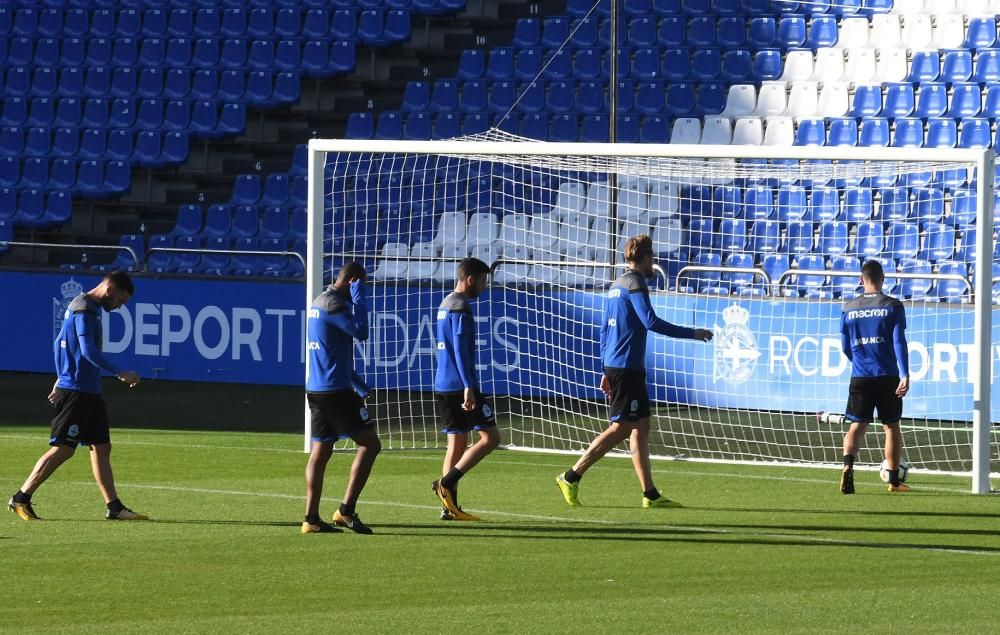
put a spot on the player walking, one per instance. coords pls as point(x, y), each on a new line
point(628, 316)
point(463, 407)
point(335, 394)
point(81, 416)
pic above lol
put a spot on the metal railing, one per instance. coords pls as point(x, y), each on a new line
point(129, 250)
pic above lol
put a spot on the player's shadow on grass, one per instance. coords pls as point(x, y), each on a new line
point(667, 534)
point(841, 528)
point(181, 521)
point(855, 512)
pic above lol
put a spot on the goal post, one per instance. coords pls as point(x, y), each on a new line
point(761, 244)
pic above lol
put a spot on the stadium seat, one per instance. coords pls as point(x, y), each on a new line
point(952, 290)
point(870, 239)
point(833, 238)
point(732, 235)
point(963, 208)
point(717, 131)
point(914, 288)
point(894, 204)
point(159, 262)
point(939, 242)
point(775, 265)
point(812, 285)
point(975, 133)
point(927, 205)
point(741, 101)
point(903, 240)
point(791, 202)
point(800, 237)
point(845, 285)
point(791, 31)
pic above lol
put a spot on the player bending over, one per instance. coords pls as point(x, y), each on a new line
point(81, 416)
point(463, 407)
point(336, 394)
point(872, 335)
point(628, 315)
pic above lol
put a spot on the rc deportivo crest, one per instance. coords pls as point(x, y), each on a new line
point(736, 352)
point(69, 290)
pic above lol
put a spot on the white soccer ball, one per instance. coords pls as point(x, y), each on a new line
point(904, 471)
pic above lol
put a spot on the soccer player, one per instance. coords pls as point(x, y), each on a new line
point(336, 394)
point(463, 407)
point(872, 334)
point(81, 416)
point(628, 316)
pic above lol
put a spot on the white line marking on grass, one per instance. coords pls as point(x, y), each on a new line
point(563, 519)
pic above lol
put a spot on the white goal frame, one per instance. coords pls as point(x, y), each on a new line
point(981, 159)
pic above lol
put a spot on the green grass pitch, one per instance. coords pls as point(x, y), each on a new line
point(755, 549)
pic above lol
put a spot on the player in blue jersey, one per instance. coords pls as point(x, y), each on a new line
point(336, 394)
point(463, 407)
point(628, 316)
point(873, 337)
point(81, 416)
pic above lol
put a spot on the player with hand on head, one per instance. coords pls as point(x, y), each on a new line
point(81, 415)
point(463, 407)
point(873, 337)
point(628, 316)
point(335, 394)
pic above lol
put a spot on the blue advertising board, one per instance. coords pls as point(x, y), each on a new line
point(768, 354)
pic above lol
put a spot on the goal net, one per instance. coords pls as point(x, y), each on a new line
point(760, 244)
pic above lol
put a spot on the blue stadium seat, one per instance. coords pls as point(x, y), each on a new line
point(587, 64)
point(731, 32)
point(845, 286)
point(527, 32)
point(71, 82)
point(822, 32)
point(975, 133)
point(980, 32)
point(416, 96)
point(214, 264)
point(925, 66)
point(736, 66)
point(472, 64)
point(908, 133)
point(791, 31)
point(870, 239)
point(799, 238)
point(30, 207)
point(234, 22)
point(65, 142)
point(762, 31)
point(316, 24)
point(927, 205)
point(903, 240)
point(810, 132)
point(939, 242)
point(931, 101)
point(123, 260)
point(843, 132)
point(858, 205)
point(218, 222)
point(594, 129)
point(501, 63)
point(159, 262)
point(34, 173)
point(650, 97)
point(232, 85)
point(672, 31)
point(246, 222)
point(444, 97)
point(129, 23)
point(941, 133)
point(966, 251)
point(765, 236)
point(747, 284)
point(208, 23)
point(775, 265)
point(175, 149)
point(676, 64)
point(914, 288)
point(360, 125)
point(417, 126)
point(824, 204)
point(701, 31)
point(874, 133)
point(8, 207)
point(389, 125)
point(535, 126)
point(812, 285)
point(956, 66)
point(205, 85)
point(987, 67)
point(966, 100)
point(531, 98)
point(732, 235)
point(952, 290)
point(727, 202)
point(963, 207)
point(646, 65)
point(246, 190)
point(759, 202)
point(260, 22)
point(121, 145)
point(704, 281)
point(833, 238)
point(563, 128)
point(894, 204)
point(555, 32)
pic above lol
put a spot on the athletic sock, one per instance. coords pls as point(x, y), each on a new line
point(115, 506)
point(652, 494)
point(450, 480)
point(849, 461)
point(313, 519)
point(21, 497)
point(894, 477)
point(571, 476)
point(346, 510)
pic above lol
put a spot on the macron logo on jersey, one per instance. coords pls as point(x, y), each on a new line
point(858, 314)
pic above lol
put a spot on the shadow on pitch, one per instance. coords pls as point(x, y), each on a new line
point(179, 521)
point(852, 529)
point(851, 512)
point(668, 534)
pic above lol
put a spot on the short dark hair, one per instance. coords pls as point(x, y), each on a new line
point(470, 267)
point(120, 281)
point(872, 271)
point(638, 248)
point(352, 269)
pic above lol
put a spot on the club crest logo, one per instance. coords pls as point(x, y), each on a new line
point(634, 406)
point(68, 291)
point(736, 351)
point(363, 413)
point(73, 432)
point(487, 411)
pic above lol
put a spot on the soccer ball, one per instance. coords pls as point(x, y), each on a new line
point(904, 471)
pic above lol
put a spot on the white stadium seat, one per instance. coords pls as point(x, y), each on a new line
point(749, 131)
point(917, 33)
point(798, 66)
point(483, 229)
point(389, 269)
point(885, 31)
point(892, 66)
point(422, 270)
point(860, 65)
point(834, 100)
point(853, 32)
point(717, 131)
point(686, 130)
point(740, 101)
point(780, 131)
point(829, 65)
point(803, 99)
point(771, 100)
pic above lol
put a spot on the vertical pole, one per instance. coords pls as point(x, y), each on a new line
point(613, 138)
point(982, 349)
point(314, 250)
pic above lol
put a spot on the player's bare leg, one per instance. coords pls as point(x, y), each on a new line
point(447, 487)
point(457, 444)
point(639, 448)
point(852, 441)
point(361, 468)
point(319, 456)
point(893, 455)
point(46, 465)
point(100, 464)
point(601, 445)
